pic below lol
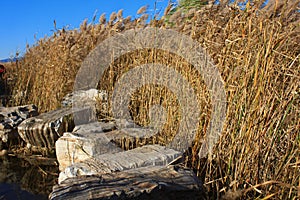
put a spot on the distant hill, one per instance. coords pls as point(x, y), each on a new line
point(9, 60)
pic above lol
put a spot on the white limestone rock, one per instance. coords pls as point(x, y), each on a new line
point(149, 155)
point(86, 141)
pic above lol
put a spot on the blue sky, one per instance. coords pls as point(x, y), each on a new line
point(23, 20)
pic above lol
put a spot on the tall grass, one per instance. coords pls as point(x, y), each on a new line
point(257, 52)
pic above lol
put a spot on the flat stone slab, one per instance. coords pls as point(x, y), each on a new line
point(148, 155)
point(95, 164)
point(11, 117)
point(93, 139)
point(155, 182)
point(43, 130)
point(86, 141)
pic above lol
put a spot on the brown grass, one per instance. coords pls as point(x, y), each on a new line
point(257, 53)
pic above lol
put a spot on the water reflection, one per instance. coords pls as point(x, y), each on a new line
point(26, 179)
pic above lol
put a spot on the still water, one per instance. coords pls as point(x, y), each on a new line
point(21, 179)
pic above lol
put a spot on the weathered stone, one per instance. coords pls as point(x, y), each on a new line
point(156, 182)
point(95, 165)
point(149, 155)
point(93, 98)
point(89, 140)
point(123, 123)
point(96, 100)
point(86, 141)
point(3, 152)
point(84, 97)
point(95, 127)
point(45, 129)
point(11, 117)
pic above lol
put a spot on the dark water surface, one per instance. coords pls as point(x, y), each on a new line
point(20, 179)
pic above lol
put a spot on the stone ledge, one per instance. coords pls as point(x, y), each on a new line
point(147, 183)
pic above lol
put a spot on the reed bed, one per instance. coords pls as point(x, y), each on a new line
point(257, 53)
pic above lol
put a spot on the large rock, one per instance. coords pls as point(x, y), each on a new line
point(93, 139)
point(95, 164)
point(11, 117)
point(86, 141)
point(79, 107)
point(149, 155)
point(93, 98)
point(84, 97)
point(147, 183)
point(45, 129)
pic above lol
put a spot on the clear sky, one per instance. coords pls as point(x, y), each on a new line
point(23, 20)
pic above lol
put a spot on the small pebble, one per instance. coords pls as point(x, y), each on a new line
point(3, 152)
point(28, 146)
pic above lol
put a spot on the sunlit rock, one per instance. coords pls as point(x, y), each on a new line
point(11, 117)
point(44, 129)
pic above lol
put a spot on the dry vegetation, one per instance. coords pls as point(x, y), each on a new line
point(256, 51)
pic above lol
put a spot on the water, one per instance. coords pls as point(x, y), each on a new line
point(20, 180)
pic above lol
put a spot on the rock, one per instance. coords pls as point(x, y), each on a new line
point(11, 117)
point(94, 164)
point(123, 123)
point(3, 152)
point(79, 96)
point(82, 98)
point(96, 100)
point(149, 155)
point(79, 107)
point(45, 129)
point(93, 139)
point(86, 141)
point(147, 183)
